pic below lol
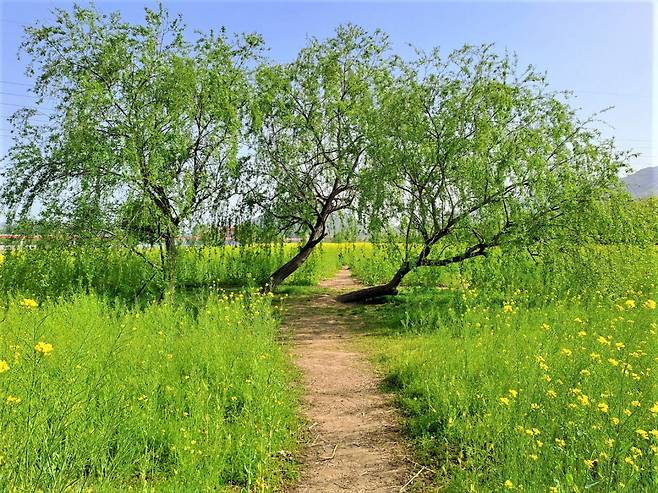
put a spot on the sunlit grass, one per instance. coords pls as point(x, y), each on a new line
point(174, 398)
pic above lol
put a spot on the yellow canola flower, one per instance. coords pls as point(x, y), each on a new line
point(642, 433)
point(43, 348)
point(649, 304)
point(584, 400)
point(28, 303)
point(13, 400)
point(4, 366)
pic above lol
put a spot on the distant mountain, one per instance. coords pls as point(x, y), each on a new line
point(643, 183)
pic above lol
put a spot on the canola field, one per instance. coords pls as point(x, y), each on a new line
point(513, 372)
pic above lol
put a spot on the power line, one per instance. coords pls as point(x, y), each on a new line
point(15, 83)
point(18, 95)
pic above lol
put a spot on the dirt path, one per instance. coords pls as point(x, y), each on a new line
point(355, 442)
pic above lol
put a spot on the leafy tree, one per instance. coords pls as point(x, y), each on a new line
point(469, 153)
point(310, 135)
point(144, 121)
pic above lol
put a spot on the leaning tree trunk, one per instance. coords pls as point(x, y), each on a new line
point(388, 289)
point(287, 269)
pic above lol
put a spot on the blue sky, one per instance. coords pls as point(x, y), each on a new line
point(601, 50)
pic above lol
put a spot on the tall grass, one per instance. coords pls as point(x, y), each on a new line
point(175, 397)
point(532, 375)
point(118, 273)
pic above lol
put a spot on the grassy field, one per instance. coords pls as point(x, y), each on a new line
point(512, 372)
point(103, 388)
point(529, 375)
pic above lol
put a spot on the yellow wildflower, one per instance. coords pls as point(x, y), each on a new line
point(584, 400)
point(603, 407)
point(504, 401)
point(589, 463)
point(513, 392)
point(642, 433)
point(650, 304)
point(28, 303)
point(13, 400)
point(4, 366)
point(614, 421)
point(43, 348)
point(629, 303)
point(551, 393)
point(508, 484)
point(635, 403)
point(565, 351)
point(654, 408)
point(508, 308)
point(560, 443)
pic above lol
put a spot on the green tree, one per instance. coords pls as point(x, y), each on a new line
point(310, 135)
point(142, 116)
point(470, 152)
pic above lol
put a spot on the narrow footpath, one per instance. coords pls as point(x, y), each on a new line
point(355, 443)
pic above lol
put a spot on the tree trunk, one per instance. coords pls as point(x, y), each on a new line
point(388, 289)
point(283, 272)
point(171, 250)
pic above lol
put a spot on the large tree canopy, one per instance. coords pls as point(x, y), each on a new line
point(469, 153)
point(143, 120)
point(310, 134)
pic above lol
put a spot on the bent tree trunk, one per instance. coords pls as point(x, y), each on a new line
point(283, 272)
point(388, 289)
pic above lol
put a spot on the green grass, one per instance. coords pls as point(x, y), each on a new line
point(553, 388)
point(174, 397)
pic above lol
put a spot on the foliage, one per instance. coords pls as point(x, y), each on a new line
point(309, 134)
point(470, 151)
point(146, 125)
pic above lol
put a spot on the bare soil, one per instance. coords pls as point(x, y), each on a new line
point(354, 434)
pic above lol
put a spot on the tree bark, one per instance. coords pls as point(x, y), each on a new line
point(388, 289)
point(171, 250)
point(287, 269)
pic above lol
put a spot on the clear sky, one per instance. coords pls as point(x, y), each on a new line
point(603, 50)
